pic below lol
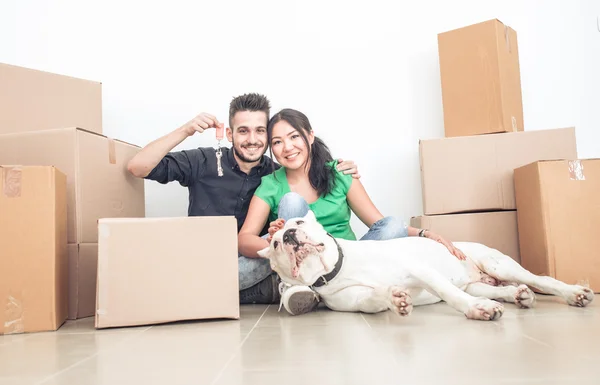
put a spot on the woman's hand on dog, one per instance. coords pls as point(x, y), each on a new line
point(274, 227)
point(456, 252)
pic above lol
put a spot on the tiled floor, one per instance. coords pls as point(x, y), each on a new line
point(551, 344)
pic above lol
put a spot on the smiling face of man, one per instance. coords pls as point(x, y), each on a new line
point(248, 135)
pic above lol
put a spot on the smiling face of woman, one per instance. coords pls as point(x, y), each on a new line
point(288, 146)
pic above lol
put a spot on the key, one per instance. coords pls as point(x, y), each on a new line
point(219, 135)
point(219, 168)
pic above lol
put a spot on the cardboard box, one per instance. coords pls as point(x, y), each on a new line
point(98, 183)
point(481, 80)
point(32, 100)
point(83, 268)
point(558, 211)
point(497, 230)
point(475, 173)
point(158, 270)
point(33, 249)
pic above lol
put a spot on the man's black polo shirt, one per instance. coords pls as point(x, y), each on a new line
point(210, 194)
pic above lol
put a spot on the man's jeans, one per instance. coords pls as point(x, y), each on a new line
point(292, 205)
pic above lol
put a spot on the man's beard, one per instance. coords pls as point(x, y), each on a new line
point(242, 157)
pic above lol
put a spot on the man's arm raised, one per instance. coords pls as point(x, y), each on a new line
point(150, 156)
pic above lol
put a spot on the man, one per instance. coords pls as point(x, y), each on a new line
point(212, 195)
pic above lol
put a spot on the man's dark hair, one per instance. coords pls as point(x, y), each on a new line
point(322, 178)
point(248, 102)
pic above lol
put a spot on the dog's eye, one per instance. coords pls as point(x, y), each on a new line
point(275, 244)
point(299, 222)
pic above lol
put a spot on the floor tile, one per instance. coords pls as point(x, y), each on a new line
point(550, 344)
point(191, 352)
point(505, 351)
point(37, 356)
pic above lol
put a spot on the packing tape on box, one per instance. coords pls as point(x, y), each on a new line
point(12, 182)
point(507, 38)
point(576, 170)
point(112, 157)
point(13, 316)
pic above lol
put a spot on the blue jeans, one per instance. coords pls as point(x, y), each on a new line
point(292, 205)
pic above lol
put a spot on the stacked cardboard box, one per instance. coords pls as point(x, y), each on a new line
point(32, 100)
point(523, 192)
point(33, 249)
point(467, 177)
point(81, 245)
point(558, 206)
point(55, 120)
point(481, 80)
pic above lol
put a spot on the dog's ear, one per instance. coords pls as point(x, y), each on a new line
point(310, 216)
point(264, 253)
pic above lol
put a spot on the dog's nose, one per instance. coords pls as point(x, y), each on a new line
point(289, 235)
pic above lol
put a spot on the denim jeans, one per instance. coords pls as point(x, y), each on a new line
point(292, 205)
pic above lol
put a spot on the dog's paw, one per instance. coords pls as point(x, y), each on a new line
point(580, 296)
point(524, 297)
point(485, 309)
point(401, 301)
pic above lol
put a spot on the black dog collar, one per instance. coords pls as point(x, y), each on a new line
point(324, 279)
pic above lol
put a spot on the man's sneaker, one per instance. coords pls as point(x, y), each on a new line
point(298, 299)
point(266, 291)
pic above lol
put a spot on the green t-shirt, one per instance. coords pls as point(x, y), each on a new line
point(332, 210)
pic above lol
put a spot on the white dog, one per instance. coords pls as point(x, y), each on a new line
point(397, 274)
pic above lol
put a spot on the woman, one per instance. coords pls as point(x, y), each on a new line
point(308, 169)
point(308, 179)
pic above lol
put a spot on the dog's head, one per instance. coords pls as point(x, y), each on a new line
point(298, 251)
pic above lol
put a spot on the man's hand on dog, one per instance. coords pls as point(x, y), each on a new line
point(456, 252)
point(348, 167)
point(274, 227)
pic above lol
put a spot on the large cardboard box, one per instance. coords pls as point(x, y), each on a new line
point(158, 270)
point(475, 173)
point(83, 263)
point(558, 210)
point(33, 249)
point(481, 79)
point(32, 100)
point(497, 230)
point(98, 183)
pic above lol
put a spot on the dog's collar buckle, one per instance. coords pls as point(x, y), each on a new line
point(325, 279)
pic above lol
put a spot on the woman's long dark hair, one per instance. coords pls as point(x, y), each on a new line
point(322, 177)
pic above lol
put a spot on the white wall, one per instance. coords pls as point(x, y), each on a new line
point(366, 73)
